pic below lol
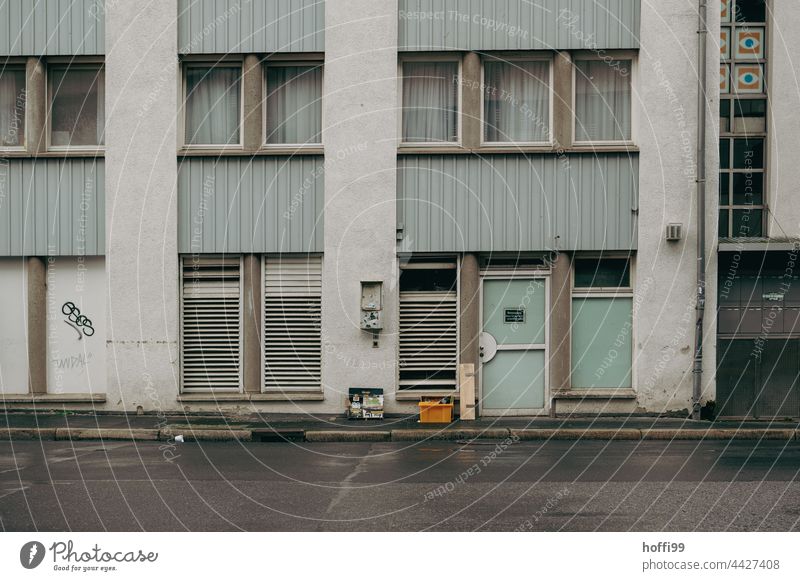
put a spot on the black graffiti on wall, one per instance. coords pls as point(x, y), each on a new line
point(81, 323)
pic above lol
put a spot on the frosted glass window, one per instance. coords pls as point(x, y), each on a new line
point(602, 330)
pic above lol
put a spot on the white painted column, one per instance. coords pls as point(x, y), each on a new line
point(665, 102)
point(783, 59)
point(360, 137)
point(141, 205)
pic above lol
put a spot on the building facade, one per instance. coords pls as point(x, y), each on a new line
point(255, 205)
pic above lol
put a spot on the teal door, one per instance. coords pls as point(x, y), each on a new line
point(513, 346)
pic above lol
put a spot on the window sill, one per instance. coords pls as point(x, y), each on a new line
point(53, 154)
point(595, 393)
point(53, 398)
point(521, 149)
point(417, 395)
point(251, 397)
point(264, 151)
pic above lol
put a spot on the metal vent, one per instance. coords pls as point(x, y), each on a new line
point(428, 340)
point(674, 232)
point(292, 323)
point(211, 323)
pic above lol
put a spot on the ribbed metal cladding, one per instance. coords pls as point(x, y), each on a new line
point(52, 207)
point(518, 24)
point(250, 204)
point(508, 203)
point(248, 26)
point(52, 27)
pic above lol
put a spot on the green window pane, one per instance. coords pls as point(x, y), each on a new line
point(725, 153)
point(724, 183)
point(750, 11)
point(723, 224)
point(748, 223)
point(601, 342)
point(602, 272)
point(748, 153)
point(724, 116)
point(748, 188)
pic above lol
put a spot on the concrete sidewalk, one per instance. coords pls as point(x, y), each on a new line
point(330, 428)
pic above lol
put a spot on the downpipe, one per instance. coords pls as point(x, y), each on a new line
point(702, 73)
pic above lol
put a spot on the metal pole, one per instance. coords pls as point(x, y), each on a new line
point(697, 371)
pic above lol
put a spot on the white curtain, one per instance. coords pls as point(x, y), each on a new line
point(212, 105)
point(517, 101)
point(294, 104)
point(78, 108)
point(12, 108)
point(430, 102)
point(603, 101)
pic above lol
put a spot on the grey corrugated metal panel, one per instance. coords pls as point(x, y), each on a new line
point(499, 203)
point(429, 25)
point(52, 27)
point(52, 207)
point(259, 204)
point(245, 26)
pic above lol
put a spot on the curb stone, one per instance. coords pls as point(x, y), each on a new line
point(348, 436)
point(27, 434)
point(105, 434)
point(719, 434)
point(459, 434)
point(577, 434)
point(209, 435)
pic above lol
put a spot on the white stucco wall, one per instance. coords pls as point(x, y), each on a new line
point(13, 331)
point(783, 62)
point(141, 207)
point(76, 347)
point(666, 108)
point(360, 137)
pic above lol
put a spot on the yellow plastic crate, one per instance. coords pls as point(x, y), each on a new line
point(434, 412)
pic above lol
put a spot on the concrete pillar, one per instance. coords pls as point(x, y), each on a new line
point(141, 204)
point(35, 106)
point(251, 333)
point(470, 316)
point(253, 88)
point(471, 115)
point(563, 117)
point(560, 323)
point(360, 137)
point(36, 309)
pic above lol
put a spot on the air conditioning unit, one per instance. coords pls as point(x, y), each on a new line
point(674, 232)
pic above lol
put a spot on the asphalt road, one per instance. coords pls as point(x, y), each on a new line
point(583, 486)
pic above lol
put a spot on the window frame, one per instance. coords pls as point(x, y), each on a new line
point(284, 62)
point(16, 64)
point(606, 293)
point(72, 64)
point(730, 61)
point(431, 58)
point(227, 62)
point(551, 98)
point(633, 76)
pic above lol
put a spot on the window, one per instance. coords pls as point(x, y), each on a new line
point(743, 119)
point(294, 104)
point(77, 113)
point(430, 102)
point(603, 100)
point(602, 324)
point(213, 105)
point(429, 325)
point(516, 103)
point(12, 107)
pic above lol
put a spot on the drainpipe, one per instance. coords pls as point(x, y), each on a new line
point(697, 371)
